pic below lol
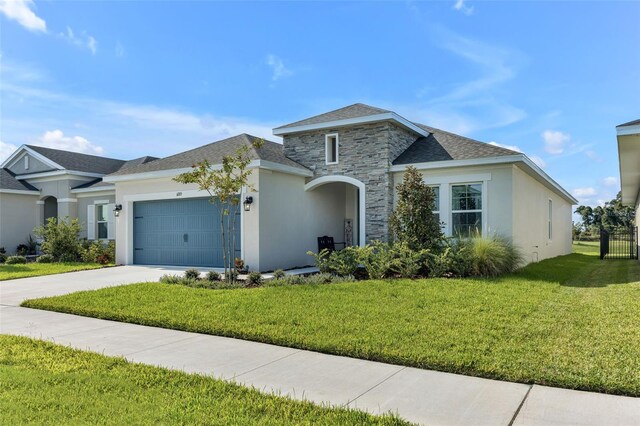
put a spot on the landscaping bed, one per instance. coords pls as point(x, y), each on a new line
point(570, 321)
point(43, 383)
point(11, 272)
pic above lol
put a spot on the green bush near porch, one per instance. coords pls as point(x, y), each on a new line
point(571, 321)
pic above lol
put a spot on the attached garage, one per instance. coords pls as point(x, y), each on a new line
point(184, 232)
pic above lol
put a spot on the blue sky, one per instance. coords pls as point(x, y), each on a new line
point(126, 79)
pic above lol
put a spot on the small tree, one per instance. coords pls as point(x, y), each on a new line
point(413, 221)
point(224, 185)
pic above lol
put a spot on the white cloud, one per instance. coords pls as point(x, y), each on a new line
point(20, 11)
point(6, 149)
point(83, 40)
point(585, 192)
point(460, 6)
point(278, 68)
point(539, 161)
point(511, 147)
point(470, 105)
point(555, 141)
point(593, 156)
point(119, 50)
point(610, 181)
point(57, 140)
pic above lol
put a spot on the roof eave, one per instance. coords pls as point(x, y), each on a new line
point(507, 159)
point(387, 116)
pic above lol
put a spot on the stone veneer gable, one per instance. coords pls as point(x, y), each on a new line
point(365, 153)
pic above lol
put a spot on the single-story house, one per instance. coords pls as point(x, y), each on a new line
point(628, 135)
point(334, 174)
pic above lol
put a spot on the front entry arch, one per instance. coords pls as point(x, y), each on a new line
point(50, 208)
point(361, 199)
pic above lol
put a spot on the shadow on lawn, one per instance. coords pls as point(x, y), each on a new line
point(582, 270)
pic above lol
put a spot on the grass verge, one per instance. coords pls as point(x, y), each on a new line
point(11, 272)
point(43, 383)
point(570, 321)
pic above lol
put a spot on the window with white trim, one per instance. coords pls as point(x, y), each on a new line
point(102, 222)
point(436, 202)
point(466, 209)
point(549, 220)
point(331, 148)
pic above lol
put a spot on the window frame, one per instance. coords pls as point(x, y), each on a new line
point(26, 162)
point(105, 221)
point(327, 140)
point(438, 208)
point(550, 219)
point(481, 210)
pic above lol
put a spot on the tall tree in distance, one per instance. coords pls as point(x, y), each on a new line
point(612, 215)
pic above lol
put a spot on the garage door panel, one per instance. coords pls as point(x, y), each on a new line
point(179, 232)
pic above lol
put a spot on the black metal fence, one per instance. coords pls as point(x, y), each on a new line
point(619, 243)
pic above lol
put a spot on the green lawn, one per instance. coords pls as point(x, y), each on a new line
point(43, 383)
point(11, 272)
point(573, 321)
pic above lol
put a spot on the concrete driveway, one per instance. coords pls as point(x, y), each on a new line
point(14, 292)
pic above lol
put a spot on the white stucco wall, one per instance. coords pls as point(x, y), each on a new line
point(18, 217)
point(530, 219)
point(291, 219)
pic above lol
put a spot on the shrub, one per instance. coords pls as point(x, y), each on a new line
point(343, 262)
point(213, 276)
point(407, 263)
point(254, 278)
point(192, 274)
point(377, 259)
point(45, 258)
point(326, 279)
point(2, 250)
point(15, 260)
point(61, 238)
point(69, 258)
point(278, 274)
point(99, 252)
point(454, 261)
point(240, 265)
point(171, 279)
point(3, 257)
point(233, 275)
point(494, 256)
point(321, 260)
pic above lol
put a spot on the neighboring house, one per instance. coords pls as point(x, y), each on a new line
point(37, 183)
point(335, 174)
point(629, 157)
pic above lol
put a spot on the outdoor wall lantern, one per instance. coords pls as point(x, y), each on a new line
point(116, 211)
point(247, 203)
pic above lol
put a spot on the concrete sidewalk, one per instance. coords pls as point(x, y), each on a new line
point(421, 396)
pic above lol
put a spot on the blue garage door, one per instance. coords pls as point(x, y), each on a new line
point(178, 232)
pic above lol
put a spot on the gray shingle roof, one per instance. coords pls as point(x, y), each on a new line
point(80, 162)
point(8, 181)
point(630, 123)
point(443, 146)
point(214, 153)
point(351, 111)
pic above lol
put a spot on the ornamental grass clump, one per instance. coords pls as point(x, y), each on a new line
point(493, 256)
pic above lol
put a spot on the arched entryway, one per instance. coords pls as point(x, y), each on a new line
point(50, 208)
point(348, 196)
